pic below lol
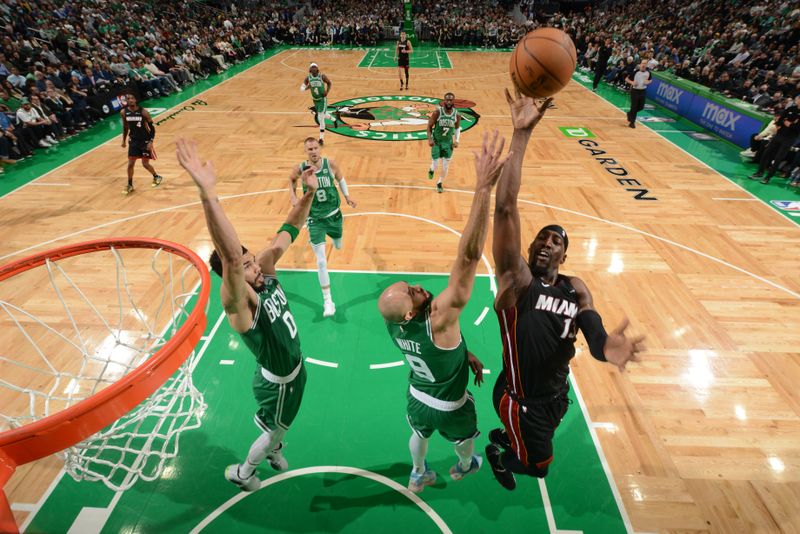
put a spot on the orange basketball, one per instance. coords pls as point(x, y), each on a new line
point(542, 63)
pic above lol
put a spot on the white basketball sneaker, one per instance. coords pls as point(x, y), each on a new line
point(276, 459)
point(328, 308)
point(252, 483)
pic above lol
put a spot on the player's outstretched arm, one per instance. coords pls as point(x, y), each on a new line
point(235, 298)
point(290, 229)
point(293, 179)
point(304, 85)
point(616, 347)
point(512, 271)
point(337, 174)
point(488, 166)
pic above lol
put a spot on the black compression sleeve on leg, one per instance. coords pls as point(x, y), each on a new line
point(591, 325)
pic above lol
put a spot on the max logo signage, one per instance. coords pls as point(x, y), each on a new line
point(721, 116)
point(669, 93)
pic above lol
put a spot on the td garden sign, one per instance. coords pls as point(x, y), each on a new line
point(391, 117)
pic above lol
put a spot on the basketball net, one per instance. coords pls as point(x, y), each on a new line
point(70, 357)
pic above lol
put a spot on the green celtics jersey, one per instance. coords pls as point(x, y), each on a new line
point(317, 86)
point(440, 373)
point(273, 337)
point(445, 126)
point(326, 202)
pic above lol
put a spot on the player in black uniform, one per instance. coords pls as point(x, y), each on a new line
point(539, 311)
point(401, 55)
point(138, 123)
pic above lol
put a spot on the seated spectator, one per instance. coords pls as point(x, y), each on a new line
point(30, 119)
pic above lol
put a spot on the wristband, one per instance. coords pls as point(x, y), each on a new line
point(289, 229)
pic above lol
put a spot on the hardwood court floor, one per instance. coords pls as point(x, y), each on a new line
point(704, 435)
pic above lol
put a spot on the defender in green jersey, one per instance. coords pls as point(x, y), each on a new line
point(257, 309)
point(444, 132)
point(426, 331)
point(325, 218)
point(320, 86)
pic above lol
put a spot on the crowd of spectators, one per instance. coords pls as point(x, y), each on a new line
point(745, 50)
point(742, 50)
point(57, 56)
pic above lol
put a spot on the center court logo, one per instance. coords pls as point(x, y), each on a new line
point(391, 117)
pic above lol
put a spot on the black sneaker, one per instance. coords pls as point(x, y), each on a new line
point(631, 125)
point(503, 475)
point(157, 180)
point(128, 189)
point(765, 181)
point(498, 436)
point(321, 142)
point(755, 176)
point(439, 188)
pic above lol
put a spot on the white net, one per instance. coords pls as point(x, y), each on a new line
point(78, 325)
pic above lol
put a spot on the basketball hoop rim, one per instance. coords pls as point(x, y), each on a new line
point(70, 426)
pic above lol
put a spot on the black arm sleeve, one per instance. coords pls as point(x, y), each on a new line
point(591, 325)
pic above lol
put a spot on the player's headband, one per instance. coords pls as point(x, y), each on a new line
point(560, 231)
point(313, 65)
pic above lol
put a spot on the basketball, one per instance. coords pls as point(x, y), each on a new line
point(542, 63)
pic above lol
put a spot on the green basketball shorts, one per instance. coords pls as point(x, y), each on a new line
point(330, 226)
point(458, 425)
point(442, 150)
point(278, 404)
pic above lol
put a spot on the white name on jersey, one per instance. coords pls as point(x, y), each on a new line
point(411, 346)
point(556, 305)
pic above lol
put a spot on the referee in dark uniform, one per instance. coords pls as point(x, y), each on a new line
point(638, 82)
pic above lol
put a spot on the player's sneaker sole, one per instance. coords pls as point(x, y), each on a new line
point(416, 485)
point(276, 459)
point(244, 484)
point(503, 475)
point(457, 474)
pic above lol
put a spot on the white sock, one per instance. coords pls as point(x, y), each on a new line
point(464, 450)
point(322, 265)
point(419, 449)
point(434, 163)
point(445, 166)
point(263, 445)
point(326, 294)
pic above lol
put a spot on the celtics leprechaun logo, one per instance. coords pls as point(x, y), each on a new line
point(391, 117)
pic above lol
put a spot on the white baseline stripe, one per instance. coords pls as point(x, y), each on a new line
point(328, 469)
point(51, 184)
point(548, 511)
point(482, 315)
point(737, 199)
point(694, 158)
point(386, 365)
point(322, 362)
point(23, 506)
